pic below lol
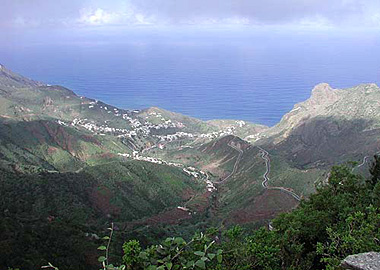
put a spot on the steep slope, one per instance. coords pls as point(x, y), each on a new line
point(67, 168)
point(83, 162)
point(332, 126)
point(360, 102)
point(62, 213)
point(96, 129)
point(10, 80)
point(49, 145)
point(239, 168)
point(242, 128)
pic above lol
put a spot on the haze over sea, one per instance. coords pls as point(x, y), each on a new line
point(248, 73)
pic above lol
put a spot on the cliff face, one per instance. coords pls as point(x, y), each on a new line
point(333, 125)
point(361, 102)
point(322, 95)
point(11, 79)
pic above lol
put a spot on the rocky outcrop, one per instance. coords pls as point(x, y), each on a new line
point(363, 261)
point(47, 102)
point(322, 94)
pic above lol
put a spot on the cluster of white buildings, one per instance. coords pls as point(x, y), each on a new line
point(212, 135)
point(139, 127)
point(210, 186)
point(254, 137)
point(101, 129)
point(175, 136)
point(135, 155)
point(191, 171)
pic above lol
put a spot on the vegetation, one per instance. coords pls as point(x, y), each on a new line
point(57, 217)
point(342, 218)
point(62, 183)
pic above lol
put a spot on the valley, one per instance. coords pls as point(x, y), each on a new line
point(153, 172)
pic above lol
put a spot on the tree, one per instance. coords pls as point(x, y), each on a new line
point(375, 171)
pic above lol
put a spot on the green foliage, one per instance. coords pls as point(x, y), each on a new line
point(341, 219)
point(104, 260)
point(257, 250)
point(361, 233)
point(44, 218)
point(337, 221)
point(263, 250)
point(174, 253)
point(375, 171)
point(56, 217)
point(234, 233)
point(132, 251)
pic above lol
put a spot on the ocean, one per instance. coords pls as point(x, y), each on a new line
point(255, 74)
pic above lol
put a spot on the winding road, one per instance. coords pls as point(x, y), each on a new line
point(365, 160)
point(361, 164)
point(235, 165)
point(265, 156)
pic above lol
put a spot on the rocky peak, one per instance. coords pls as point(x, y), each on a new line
point(14, 79)
point(47, 102)
point(323, 93)
point(367, 88)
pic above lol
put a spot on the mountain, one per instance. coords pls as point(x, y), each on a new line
point(72, 165)
point(48, 213)
point(332, 126)
point(63, 131)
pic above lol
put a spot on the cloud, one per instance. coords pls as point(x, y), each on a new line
point(318, 13)
point(126, 13)
point(96, 17)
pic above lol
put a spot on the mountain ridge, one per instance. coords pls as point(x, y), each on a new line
point(151, 168)
point(155, 127)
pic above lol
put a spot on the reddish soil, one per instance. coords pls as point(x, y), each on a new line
point(201, 202)
point(100, 198)
point(36, 134)
point(52, 150)
point(60, 137)
point(266, 206)
point(91, 257)
point(174, 216)
point(91, 139)
point(223, 142)
point(104, 156)
point(187, 194)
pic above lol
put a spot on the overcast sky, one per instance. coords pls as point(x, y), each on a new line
point(75, 13)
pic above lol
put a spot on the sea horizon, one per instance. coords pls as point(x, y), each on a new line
point(249, 74)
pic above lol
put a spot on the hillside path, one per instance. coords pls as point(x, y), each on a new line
point(266, 158)
point(236, 165)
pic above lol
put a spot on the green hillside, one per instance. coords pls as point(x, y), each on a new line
point(70, 166)
point(70, 206)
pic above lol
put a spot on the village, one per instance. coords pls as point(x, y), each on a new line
point(141, 126)
point(191, 171)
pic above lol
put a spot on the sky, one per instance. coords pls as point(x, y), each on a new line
point(25, 14)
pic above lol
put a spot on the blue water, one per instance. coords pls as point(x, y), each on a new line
point(254, 74)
